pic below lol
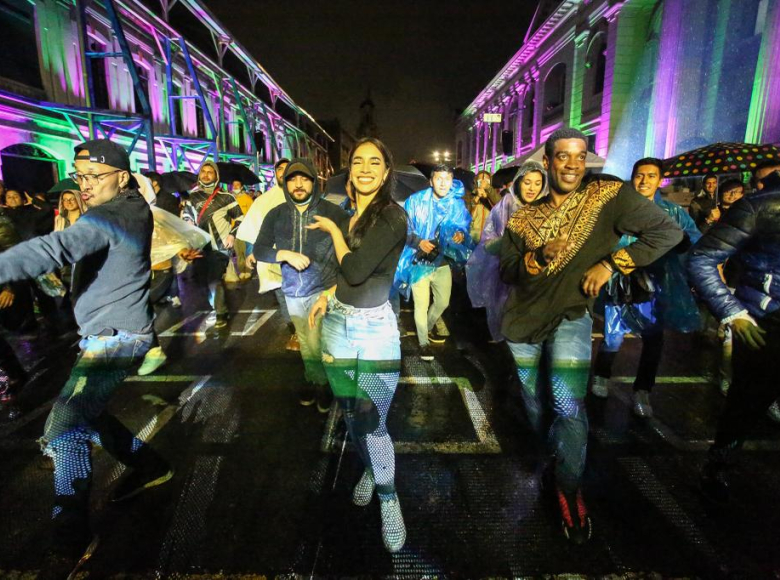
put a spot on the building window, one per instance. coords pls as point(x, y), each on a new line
point(17, 21)
point(595, 71)
point(200, 120)
point(177, 110)
point(97, 67)
point(143, 85)
point(554, 91)
point(528, 107)
point(459, 154)
point(241, 137)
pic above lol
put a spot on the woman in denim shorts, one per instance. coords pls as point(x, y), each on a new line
point(361, 347)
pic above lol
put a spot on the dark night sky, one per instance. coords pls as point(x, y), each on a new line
point(422, 59)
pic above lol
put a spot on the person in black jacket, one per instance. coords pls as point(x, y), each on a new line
point(216, 212)
point(704, 206)
point(750, 232)
point(306, 259)
point(109, 246)
point(361, 343)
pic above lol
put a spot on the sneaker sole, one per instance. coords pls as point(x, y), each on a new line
point(143, 488)
point(437, 340)
point(142, 372)
point(426, 358)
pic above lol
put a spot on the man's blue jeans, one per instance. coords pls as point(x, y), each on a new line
point(560, 390)
point(78, 419)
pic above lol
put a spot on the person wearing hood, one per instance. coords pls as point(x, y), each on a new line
point(483, 278)
point(307, 264)
point(217, 213)
point(438, 231)
point(269, 275)
point(109, 246)
point(70, 209)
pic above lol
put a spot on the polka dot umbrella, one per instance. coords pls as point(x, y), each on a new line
point(719, 158)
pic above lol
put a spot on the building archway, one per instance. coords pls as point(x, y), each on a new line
point(554, 92)
point(29, 168)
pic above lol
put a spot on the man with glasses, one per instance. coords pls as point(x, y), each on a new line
point(109, 246)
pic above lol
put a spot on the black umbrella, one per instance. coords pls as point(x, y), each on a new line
point(466, 177)
point(425, 168)
point(237, 172)
point(177, 181)
point(408, 180)
point(503, 176)
point(463, 175)
point(66, 184)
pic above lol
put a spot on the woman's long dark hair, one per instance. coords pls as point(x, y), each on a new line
point(382, 199)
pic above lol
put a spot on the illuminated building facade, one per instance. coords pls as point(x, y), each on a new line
point(639, 77)
point(162, 77)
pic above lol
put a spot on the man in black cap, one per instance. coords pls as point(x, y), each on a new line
point(307, 264)
point(109, 246)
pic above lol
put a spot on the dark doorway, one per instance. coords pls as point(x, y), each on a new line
point(28, 168)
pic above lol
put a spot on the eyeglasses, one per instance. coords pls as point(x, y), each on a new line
point(91, 178)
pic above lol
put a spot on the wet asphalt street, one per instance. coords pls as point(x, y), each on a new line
point(263, 486)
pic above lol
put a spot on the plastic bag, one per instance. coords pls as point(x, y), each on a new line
point(172, 235)
point(51, 285)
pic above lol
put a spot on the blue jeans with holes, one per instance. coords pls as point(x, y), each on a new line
point(78, 419)
point(361, 349)
point(559, 392)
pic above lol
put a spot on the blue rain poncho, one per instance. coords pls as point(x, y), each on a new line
point(673, 304)
point(432, 219)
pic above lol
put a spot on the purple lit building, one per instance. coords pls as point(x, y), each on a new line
point(639, 77)
point(162, 77)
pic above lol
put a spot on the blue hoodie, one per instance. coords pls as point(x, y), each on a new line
point(284, 228)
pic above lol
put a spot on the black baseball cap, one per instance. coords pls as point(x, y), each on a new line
point(299, 167)
point(104, 151)
point(282, 160)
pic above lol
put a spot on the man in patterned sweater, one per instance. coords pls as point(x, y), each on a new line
point(557, 254)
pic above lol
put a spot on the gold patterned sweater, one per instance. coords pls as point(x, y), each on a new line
point(593, 218)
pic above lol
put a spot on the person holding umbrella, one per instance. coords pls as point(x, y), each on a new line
point(750, 232)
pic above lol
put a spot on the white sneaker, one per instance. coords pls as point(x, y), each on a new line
point(364, 490)
point(642, 407)
point(773, 412)
point(600, 387)
point(153, 360)
point(393, 527)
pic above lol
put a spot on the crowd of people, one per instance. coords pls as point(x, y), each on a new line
point(545, 255)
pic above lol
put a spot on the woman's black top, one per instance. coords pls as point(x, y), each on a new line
point(366, 274)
